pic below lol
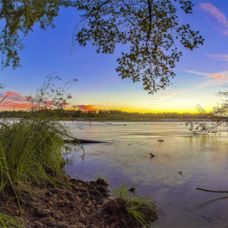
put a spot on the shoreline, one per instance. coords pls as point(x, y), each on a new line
point(132, 120)
point(94, 119)
point(73, 203)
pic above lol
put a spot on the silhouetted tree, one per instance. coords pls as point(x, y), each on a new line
point(150, 27)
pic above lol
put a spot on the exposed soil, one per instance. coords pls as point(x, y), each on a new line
point(78, 204)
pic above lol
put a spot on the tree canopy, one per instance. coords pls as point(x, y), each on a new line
point(150, 27)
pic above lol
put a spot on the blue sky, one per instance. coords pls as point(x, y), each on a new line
point(199, 74)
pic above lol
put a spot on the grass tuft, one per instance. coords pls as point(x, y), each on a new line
point(140, 210)
point(30, 150)
point(98, 177)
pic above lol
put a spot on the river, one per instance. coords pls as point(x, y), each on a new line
point(125, 156)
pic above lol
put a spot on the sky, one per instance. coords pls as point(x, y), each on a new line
point(200, 74)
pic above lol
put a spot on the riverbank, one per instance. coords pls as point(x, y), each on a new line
point(123, 119)
point(36, 193)
point(95, 119)
point(71, 203)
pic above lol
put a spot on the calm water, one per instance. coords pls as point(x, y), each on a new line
point(125, 156)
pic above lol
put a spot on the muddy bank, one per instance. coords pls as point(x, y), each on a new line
point(73, 204)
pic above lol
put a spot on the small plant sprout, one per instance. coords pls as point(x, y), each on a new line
point(98, 177)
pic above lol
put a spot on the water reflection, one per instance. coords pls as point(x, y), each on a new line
point(203, 161)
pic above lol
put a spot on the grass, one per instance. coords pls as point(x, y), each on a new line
point(29, 151)
point(7, 221)
point(140, 210)
point(98, 177)
point(31, 148)
point(30, 154)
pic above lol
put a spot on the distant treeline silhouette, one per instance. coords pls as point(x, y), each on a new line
point(112, 114)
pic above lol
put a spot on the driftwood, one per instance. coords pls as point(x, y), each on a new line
point(81, 141)
point(206, 190)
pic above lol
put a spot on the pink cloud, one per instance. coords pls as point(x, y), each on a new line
point(12, 99)
point(222, 57)
point(215, 12)
point(218, 15)
point(87, 107)
point(216, 78)
point(13, 96)
point(16, 100)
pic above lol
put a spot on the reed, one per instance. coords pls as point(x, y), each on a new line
point(30, 153)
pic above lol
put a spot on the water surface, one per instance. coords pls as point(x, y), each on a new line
point(126, 157)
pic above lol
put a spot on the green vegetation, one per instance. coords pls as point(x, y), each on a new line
point(98, 177)
point(29, 150)
point(115, 115)
point(7, 221)
point(140, 210)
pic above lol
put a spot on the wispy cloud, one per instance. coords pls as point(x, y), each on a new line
point(196, 72)
point(90, 65)
point(167, 95)
point(215, 12)
point(216, 78)
point(219, 57)
point(218, 15)
point(87, 107)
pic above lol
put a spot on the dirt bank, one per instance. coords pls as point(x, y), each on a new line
point(74, 204)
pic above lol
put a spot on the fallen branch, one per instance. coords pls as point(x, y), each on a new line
point(206, 190)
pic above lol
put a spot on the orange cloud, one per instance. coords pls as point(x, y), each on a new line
point(87, 107)
point(7, 104)
point(217, 78)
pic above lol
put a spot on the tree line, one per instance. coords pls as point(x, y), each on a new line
point(108, 114)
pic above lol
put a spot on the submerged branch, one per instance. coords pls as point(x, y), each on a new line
point(206, 190)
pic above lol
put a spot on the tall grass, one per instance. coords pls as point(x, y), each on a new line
point(30, 150)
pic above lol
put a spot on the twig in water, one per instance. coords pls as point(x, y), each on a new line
point(206, 190)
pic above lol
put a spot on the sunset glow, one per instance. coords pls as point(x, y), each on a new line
point(200, 74)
